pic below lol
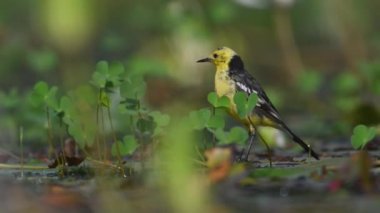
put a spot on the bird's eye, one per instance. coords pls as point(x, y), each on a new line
point(215, 55)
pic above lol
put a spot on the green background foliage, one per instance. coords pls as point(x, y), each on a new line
point(314, 58)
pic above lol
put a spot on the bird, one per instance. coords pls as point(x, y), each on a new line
point(232, 77)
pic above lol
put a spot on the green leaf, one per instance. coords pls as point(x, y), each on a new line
point(99, 77)
point(51, 99)
point(237, 135)
point(66, 103)
point(116, 70)
point(41, 88)
point(221, 136)
point(251, 103)
point(216, 101)
point(133, 87)
point(199, 118)
point(106, 76)
point(213, 99)
point(67, 107)
point(160, 118)
point(43, 95)
point(224, 101)
point(102, 68)
point(75, 131)
point(126, 147)
point(371, 133)
point(98, 80)
point(146, 125)
point(362, 135)
point(216, 121)
point(240, 99)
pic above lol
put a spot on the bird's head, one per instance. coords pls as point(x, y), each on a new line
point(224, 57)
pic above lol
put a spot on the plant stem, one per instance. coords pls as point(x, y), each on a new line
point(118, 153)
point(104, 136)
point(61, 141)
point(21, 134)
point(50, 135)
point(98, 105)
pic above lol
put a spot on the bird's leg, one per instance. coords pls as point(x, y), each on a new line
point(251, 140)
point(252, 135)
point(268, 149)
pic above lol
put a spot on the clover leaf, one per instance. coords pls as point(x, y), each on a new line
point(216, 101)
point(244, 104)
point(362, 135)
point(126, 147)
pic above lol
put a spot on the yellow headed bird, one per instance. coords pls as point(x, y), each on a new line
point(231, 77)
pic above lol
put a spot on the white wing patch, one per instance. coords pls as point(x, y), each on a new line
point(260, 101)
point(274, 114)
point(245, 88)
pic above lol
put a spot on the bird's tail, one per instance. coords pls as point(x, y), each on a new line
point(298, 140)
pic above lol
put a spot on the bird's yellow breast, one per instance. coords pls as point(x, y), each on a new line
point(224, 85)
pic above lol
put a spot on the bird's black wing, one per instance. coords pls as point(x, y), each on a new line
point(245, 82)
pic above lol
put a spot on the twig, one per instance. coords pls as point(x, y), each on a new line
point(20, 166)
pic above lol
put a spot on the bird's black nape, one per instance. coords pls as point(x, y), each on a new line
point(236, 63)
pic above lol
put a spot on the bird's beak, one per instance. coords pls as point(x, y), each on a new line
point(204, 60)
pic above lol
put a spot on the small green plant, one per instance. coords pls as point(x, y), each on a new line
point(112, 88)
point(44, 96)
point(362, 135)
point(106, 78)
point(213, 120)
